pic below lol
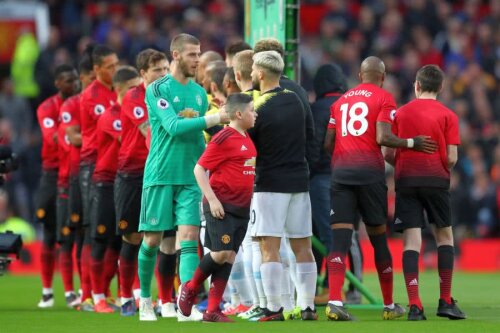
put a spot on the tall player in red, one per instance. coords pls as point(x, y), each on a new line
point(48, 119)
point(360, 123)
point(105, 244)
point(132, 156)
point(98, 96)
point(72, 108)
point(422, 184)
point(65, 232)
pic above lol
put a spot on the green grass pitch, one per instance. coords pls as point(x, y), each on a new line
point(478, 295)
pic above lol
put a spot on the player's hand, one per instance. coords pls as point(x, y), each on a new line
point(216, 209)
point(224, 118)
point(425, 144)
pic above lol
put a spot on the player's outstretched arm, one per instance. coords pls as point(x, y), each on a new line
point(201, 176)
point(422, 143)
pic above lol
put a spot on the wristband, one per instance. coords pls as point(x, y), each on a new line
point(410, 143)
point(212, 120)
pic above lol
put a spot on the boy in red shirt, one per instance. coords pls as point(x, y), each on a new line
point(422, 184)
point(230, 157)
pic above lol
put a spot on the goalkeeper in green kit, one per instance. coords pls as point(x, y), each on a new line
point(170, 195)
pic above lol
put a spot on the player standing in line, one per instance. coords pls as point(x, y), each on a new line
point(102, 207)
point(96, 98)
point(72, 108)
point(422, 184)
point(48, 119)
point(242, 63)
point(170, 198)
point(132, 156)
point(360, 123)
point(230, 158)
point(65, 230)
point(280, 205)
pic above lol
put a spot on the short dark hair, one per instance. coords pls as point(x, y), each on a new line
point(64, 68)
point(149, 57)
point(100, 52)
point(235, 47)
point(125, 73)
point(180, 40)
point(85, 64)
point(237, 102)
point(217, 70)
point(230, 75)
point(269, 44)
point(430, 78)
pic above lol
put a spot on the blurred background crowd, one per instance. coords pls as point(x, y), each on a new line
point(463, 37)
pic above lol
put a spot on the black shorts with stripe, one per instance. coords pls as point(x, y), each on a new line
point(414, 204)
point(351, 201)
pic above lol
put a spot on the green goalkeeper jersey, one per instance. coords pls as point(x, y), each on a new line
point(176, 120)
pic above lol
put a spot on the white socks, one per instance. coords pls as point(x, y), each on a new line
point(307, 273)
point(272, 275)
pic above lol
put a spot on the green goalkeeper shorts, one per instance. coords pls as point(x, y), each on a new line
point(164, 207)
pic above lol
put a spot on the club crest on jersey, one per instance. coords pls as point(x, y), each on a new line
point(66, 117)
point(393, 114)
point(117, 125)
point(138, 112)
point(162, 103)
point(198, 100)
point(48, 122)
point(99, 109)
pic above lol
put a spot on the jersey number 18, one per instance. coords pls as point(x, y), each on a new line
point(357, 123)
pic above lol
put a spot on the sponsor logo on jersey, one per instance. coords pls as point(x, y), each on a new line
point(162, 103)
point(117, 125)
point(99, 109)
point(66, 117)
point(251, 162)
point(48, 122)
point(138, 112)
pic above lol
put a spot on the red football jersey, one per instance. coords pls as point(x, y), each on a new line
point(64, 146)
point(357, 158)
point(109, 129)
point(133, 150)
point(95, 99)
point(230, 157)
point(425, 117)
point(48, 115)
point(70, 116)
